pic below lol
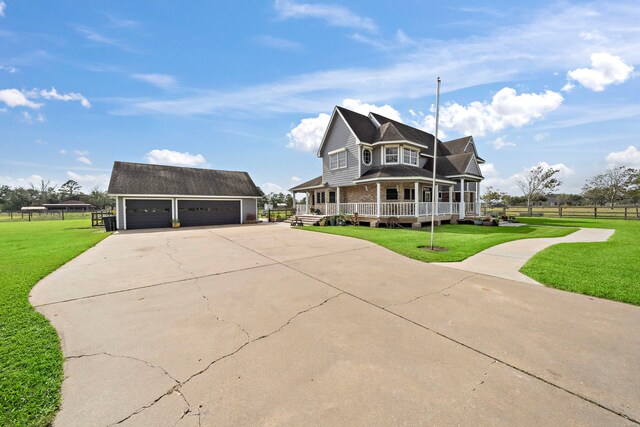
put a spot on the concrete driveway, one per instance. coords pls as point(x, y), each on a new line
point(265, 325)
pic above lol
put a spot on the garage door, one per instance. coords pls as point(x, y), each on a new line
point(208, 212)
point(148, 213)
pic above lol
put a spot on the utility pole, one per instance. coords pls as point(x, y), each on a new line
point(434, 196)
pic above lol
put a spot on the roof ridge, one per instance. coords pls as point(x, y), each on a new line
point(176, 167)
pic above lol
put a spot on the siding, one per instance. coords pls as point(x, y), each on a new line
point(248, 207)
point(120, 212)
point(472, 168)
point(340, 136)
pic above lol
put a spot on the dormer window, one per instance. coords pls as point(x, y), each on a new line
point(391, 155)
point(338, 160)
point(410, 156)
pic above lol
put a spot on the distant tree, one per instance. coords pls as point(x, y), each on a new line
point(46, 192)
point(537, 182)
point(100, 199)
point(609, 186)
point(513, 200)
point(69, 189)
point(5, 191)
point(633, 186)
point(569, 199)
point(264, 198)
point(21, 197)
point(288, 199)
point(277, 198)
point(492, 197)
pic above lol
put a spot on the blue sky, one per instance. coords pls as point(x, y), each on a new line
point(248, 86)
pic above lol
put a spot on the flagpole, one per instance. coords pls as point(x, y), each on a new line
point(434, 197)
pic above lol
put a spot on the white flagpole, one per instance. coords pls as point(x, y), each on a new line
point(434, 197)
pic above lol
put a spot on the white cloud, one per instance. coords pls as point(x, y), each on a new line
point(509, 184)
point(629, 158)
point(500, 143)
point(63, 151)
point(568, 87)
point(87, 182)
point(162, 81)
point(28, 118)
point(82, 156)
point(270, 187)
point(93, 36)
point(337, 16)
point(307, 135)
point(14, 98)
point(20, 182)
point(540, 136)
point(71, 96)
point(3, 6)
point(277, 42)
point(295, 179)
point(8, 69)
point(506, 110)
point(594, 35)
point(606, 69)
point(174, 158)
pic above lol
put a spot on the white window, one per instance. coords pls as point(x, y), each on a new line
point(338, 160)
point(366, 156)
point(409, 156)
point(391, 155)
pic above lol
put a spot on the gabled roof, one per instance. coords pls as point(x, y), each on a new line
point(455, 164)
point(315, 182)
point(141, 179)
point(459, 145)
point(409, 133)
point(364, 128)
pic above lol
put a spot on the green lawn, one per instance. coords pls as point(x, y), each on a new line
point(607, 269)
point(30, 356)
point(462, 241)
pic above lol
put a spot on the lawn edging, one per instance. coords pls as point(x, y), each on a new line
point(30, 354)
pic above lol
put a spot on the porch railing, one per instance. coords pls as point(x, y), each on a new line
point(400, 209)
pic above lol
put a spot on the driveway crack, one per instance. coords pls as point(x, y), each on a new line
point(430, 293)
point(217, 316)
point(120, 356)
point(176, 388)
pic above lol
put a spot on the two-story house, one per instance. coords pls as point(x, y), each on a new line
point(381, 168)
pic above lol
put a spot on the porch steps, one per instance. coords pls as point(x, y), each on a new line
point(306, 219)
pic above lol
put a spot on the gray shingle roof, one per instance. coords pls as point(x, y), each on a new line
point(315, 182)
point(409, 133)
point(455, 164)
point(361, 125)
point(398, 171)
point(141, 178)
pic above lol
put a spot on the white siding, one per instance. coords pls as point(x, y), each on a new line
point(120, 212)
point(248, 207)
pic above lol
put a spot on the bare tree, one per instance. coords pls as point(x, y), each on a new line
point(537, 182)
point(610, 185)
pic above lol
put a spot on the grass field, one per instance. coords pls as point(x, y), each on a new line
point(462, 241)
point(607, 270)
point(17, 217)
point(30, 356)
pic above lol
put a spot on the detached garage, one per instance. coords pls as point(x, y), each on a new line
point(152, 196)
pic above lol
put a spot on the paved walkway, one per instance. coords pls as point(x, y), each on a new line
point(268, 325)
point(506, 260)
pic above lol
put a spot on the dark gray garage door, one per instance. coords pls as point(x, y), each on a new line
point(208, 212)
point(148, 213)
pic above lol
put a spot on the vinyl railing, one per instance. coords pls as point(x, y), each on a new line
point(302, 209)
point(399, 209)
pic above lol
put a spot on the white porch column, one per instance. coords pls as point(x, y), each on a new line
point(294, 200)
point(307, 200)
point(416, 199)
point(435, 194)
point(478, 211)
point(378, 206)
point(462, 203)
point(337, 200)
point(451, 199)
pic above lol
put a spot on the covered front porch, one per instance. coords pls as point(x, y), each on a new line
point(409, 201)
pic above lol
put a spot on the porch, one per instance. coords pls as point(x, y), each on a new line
point(410, 202)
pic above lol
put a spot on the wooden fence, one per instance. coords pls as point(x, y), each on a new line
point(618, 212)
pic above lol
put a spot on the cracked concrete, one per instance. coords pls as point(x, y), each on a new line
point(271, 325)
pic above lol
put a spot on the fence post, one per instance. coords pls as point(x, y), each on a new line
point(29, 216)
point(595, 212)
point(530, 209)
point(63, 215)
point(625, 212)
point(560, 211)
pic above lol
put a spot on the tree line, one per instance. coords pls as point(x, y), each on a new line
point(616, 185)
point(14, 198)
